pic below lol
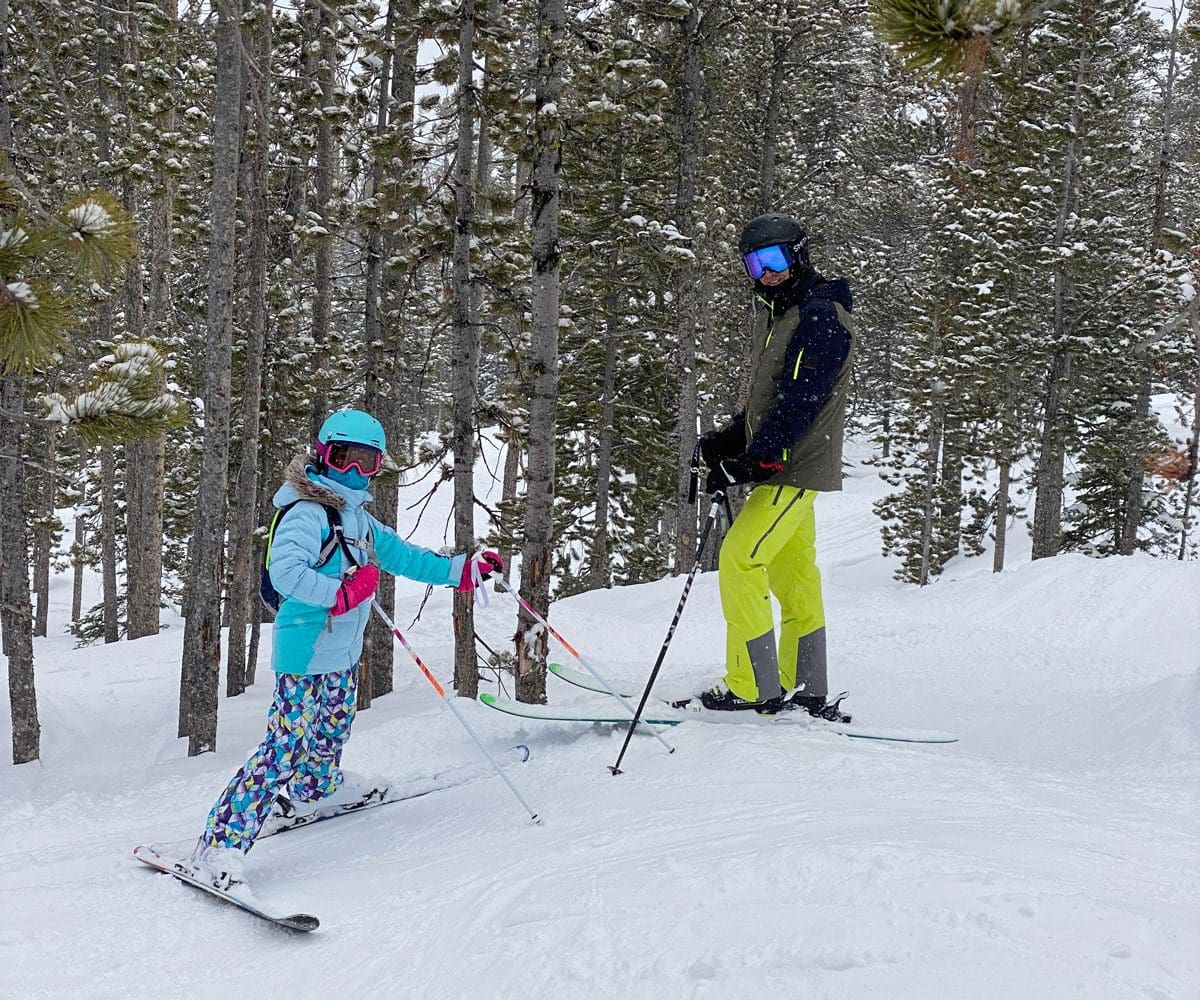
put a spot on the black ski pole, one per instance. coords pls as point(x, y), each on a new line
point(713, 513)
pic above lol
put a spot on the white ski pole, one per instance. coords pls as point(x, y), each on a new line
point(449, 703)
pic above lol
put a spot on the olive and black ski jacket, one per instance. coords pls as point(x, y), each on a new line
point(802, 355)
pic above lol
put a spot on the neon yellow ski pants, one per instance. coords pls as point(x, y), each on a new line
point(771, 549)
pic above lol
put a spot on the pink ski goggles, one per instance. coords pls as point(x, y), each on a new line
point(342, 456)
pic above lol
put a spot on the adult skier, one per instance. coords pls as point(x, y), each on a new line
point(327, 585)
point(788, 443)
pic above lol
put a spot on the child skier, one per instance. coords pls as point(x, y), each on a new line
point(327, 585)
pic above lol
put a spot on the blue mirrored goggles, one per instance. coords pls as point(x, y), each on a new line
point(777, 258)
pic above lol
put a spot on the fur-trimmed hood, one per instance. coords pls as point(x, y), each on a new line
point(301, 481)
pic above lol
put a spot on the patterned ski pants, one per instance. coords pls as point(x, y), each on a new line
point(307, 726)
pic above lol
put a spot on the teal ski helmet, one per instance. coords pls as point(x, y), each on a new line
point(353, 426)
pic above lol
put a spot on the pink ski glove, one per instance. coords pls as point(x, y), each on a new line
point(359, 586)
point(487, 564)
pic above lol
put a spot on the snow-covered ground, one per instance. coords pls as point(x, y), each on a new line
point(1054, 851)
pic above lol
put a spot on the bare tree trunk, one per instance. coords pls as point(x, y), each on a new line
point(143, 457)
point(517, 434)
point(377, 642)
point(599, 567)
point(43, 532)
point(466, 354)
point(322, 310)
point(543, 352)
point(16, 615)
point(1047, 509)
point(77, 566)
point(1194, 447)
point(243, 583)
point(385, 317)
point(202, 631)
point(1002, 494)
point(686, 283)
point(146, 457)
point(108, 543)
point(508, 494)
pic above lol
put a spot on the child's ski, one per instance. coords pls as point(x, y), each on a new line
point(387, 794)
point(241, 897)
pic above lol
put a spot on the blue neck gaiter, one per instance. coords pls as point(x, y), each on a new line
point(351, 478)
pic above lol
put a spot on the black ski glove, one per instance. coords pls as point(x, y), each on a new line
point(743, 469)
point(728, 442)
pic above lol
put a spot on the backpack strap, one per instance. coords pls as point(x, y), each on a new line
point(336, 535)
point(279, 512)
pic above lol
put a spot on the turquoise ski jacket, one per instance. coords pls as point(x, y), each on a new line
point(308, 639)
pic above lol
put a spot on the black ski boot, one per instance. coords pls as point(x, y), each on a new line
point(819, 708)
point(721, 699)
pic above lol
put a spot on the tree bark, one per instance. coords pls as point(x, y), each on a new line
point(1047, 508)
point(77, 561)
point(146, 457)
point(322, 309)
point(143, 457)
point(686, 282)
point(243, 583)
point(108, 543)
point(1194, 447)
point(1002, 494)
point(508, 494)
point(16, 617)
point(543, 352)
point(383, 391)
point(43, 532)
point(202, 631)
point(466, 354)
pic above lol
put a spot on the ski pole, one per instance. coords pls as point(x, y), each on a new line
point(579, 656)
point(449, 703)
point(713, 513)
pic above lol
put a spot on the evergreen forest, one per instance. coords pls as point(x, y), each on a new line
point(515, 222)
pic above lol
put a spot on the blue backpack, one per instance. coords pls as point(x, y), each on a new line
point(271, 597)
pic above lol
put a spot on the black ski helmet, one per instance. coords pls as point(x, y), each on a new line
point(768, 230)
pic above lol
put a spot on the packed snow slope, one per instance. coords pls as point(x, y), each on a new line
point(1054, 851)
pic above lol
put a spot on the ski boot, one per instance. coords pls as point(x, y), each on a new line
point(820, 708)
point(221, 867)
point(721, 699)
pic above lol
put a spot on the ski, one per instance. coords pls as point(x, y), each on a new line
point(414, 788)
point(693, 709)
point(548, 714)
point(243, 899)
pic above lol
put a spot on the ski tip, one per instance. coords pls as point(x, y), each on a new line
point(299, 922)
point(523, 750)
point(487, 698)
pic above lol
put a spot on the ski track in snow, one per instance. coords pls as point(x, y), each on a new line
point(1054, 851)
